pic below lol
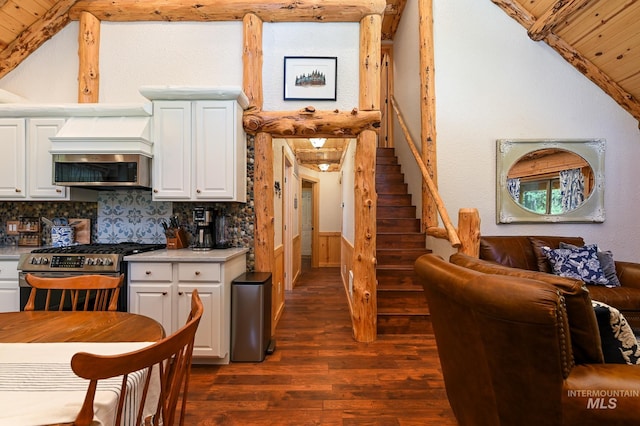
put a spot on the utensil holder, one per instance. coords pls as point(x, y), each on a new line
point(178, 241)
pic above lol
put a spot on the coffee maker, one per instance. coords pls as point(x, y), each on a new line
point(203, 219)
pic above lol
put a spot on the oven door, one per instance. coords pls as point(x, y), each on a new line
point(25, 290)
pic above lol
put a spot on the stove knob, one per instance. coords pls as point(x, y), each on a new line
point(90, 262)
point(107, 262)
point(45, 261)
point(34, 261)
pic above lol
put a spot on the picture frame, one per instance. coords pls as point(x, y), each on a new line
point(310, 78)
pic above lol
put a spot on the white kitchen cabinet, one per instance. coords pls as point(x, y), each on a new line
point(199, 151)
point(9, 289)
point(162, 290)
point(39, 162)
point(26, 166)
point(13, 176)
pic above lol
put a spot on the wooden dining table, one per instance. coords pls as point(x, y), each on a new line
point(37, 385)
point(78, 326)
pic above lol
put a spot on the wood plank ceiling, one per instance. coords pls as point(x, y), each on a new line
point(601, 38)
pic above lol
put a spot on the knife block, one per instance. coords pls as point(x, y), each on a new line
point(178, 240)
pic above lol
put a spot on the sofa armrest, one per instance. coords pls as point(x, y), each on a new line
point(597, 394)
point(628, 274)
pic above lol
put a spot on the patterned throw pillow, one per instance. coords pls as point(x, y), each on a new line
point(606, 263)
point(580, 263)
point(619, 344)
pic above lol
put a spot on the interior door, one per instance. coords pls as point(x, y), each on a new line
point(307, 219)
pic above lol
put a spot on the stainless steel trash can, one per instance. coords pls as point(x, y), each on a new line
point(251, 317)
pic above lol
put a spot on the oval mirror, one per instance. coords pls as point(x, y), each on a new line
point(550, 180)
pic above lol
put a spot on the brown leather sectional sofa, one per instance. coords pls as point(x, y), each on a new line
point(506, 354)
point(523, 252)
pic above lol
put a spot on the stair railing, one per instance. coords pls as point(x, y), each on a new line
point(449, 231)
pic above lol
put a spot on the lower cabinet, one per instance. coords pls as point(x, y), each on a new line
point(162, 291)
point(9, 290)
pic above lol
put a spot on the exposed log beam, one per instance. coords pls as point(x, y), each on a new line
point(557, 14)
point(582, 64)
point(230, 10)
point(89, 59)
point(318, 151)
point(316, 162)
point(33, 37)
point(311, 123)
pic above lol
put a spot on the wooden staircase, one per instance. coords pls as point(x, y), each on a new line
point(402, 307)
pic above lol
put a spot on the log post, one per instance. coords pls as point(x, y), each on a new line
point(370, 51)
point(428, 111)
point(365, 310)
point(364, 303)
point(252, 60)
point(469, 232)
point(263, 201)
point(89, 58)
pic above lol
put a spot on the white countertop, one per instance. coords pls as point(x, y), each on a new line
point(187, 255)
point(14, 252)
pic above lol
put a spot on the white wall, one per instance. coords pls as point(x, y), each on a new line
point(493, 82)
point(186, 53)
point(310, 39)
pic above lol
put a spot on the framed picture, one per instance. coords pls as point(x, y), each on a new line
point(310, 78)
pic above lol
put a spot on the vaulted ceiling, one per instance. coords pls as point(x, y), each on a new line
point(599, 37)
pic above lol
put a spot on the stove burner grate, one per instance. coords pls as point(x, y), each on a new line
point(125, 248)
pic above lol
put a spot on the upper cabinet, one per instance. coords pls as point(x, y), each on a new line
point(25, 167)
point(199, 151)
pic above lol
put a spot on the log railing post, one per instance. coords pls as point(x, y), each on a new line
point(469, 232)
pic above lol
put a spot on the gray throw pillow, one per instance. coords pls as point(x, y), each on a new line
point(606, 263)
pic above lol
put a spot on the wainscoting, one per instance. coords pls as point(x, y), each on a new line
point(329, 249)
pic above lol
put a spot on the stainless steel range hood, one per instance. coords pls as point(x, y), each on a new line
point(103, 152)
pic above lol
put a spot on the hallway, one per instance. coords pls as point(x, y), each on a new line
point(319, 375)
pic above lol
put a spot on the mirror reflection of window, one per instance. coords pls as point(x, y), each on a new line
point(550, 181)
point(541, 196)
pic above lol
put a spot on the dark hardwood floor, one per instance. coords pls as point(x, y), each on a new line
point(319, 375)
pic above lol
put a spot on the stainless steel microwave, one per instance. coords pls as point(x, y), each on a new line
point(102, 171)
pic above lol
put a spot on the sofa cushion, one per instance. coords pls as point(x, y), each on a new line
point(606, 263)
point(580, 263)
point(513, 251)
point(585, 337)
point(553, 243)
point(619, 344)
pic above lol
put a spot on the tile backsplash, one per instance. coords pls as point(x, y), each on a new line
point(15, 210)
point(131, 215)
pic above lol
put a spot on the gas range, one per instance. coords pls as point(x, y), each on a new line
point(82, 258)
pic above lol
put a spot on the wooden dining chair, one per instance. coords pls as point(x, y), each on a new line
point(170, 358)
point(82, 292)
